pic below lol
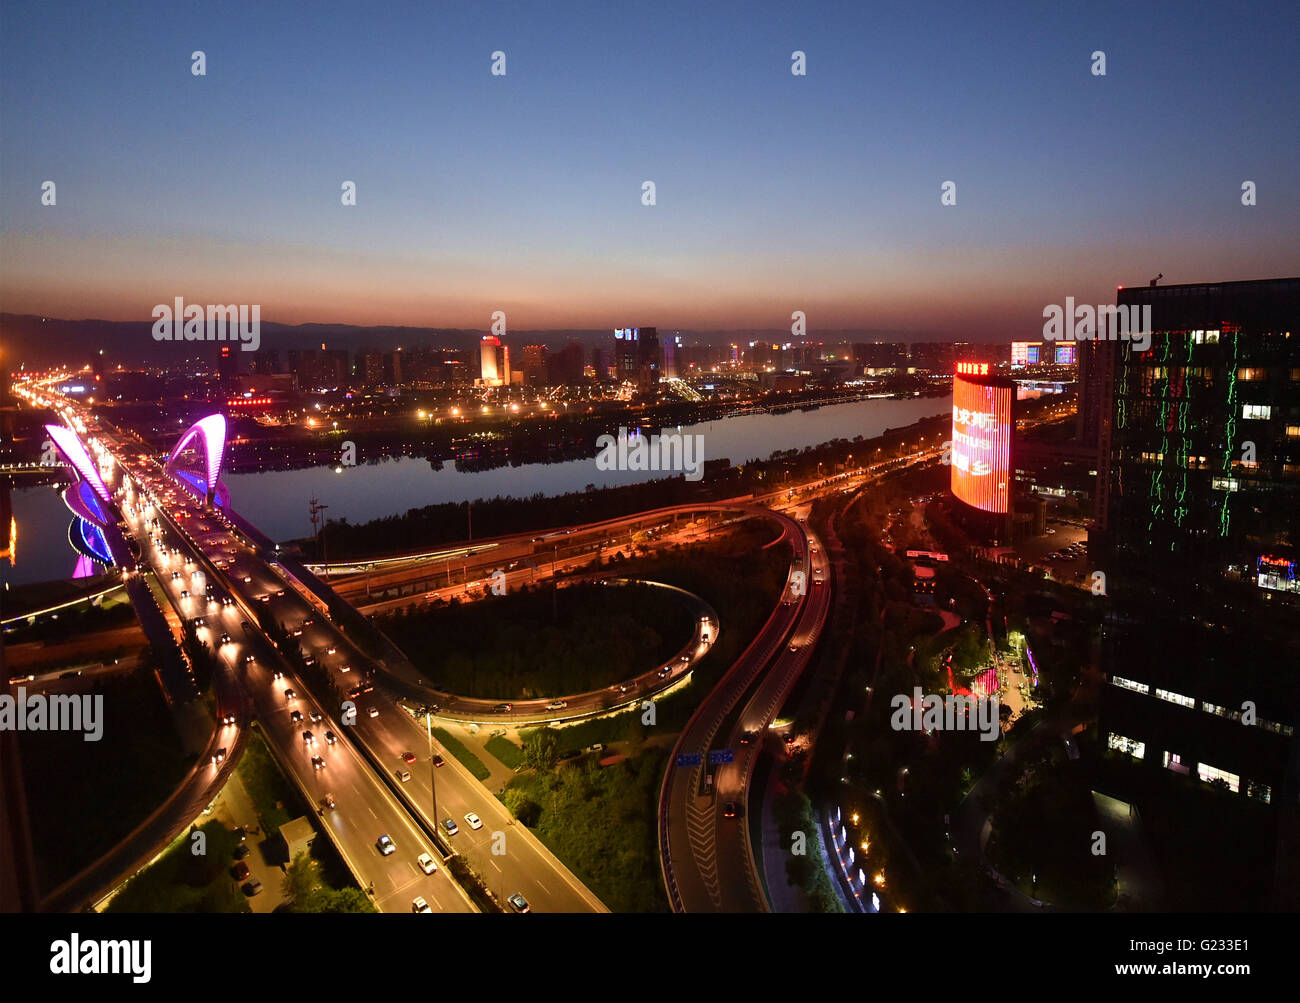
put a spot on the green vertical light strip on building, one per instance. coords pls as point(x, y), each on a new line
point(1156, 496)
point(1181, 509)
point(1230, 435)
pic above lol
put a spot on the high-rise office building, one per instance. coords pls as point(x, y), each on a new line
point(1197, 535)
point(494, 362)
point(371, 367)
point(648, 362)
point(1202, 442)
point(627, 355)
point(535, 364)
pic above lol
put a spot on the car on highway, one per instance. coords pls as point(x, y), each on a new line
point(219, 756)
point(729, 810)
point(277, 674)
point(557, 705)
point(746, 737)
point(225, 638)
point(327, 801)
point(295, 716)
point(345, 667)
point(308, 738)
point(176, 576)
point(331, 650)
point(296, 632)
point(408, 757)
point(330, 738)
point(185, 594)
point(503, 708)
point(317, 763)
point(402, 775)
point(279, 592)
point(794, 646)
point(665, 672)
point(227, 601)
point(290, 693)
point(518, 903)
point(623, 689)
point(316, 717)
point(438, 760)
point(450, 827)
point(385, 845)
point(474, 821)
point(227, 718)
point(426, 863)
point(420, 904)
point(373, 712)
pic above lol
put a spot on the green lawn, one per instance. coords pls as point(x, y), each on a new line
point(274, 798)
point(601, 823)
point(457, 748)
point(533, 644)
point(506, 751)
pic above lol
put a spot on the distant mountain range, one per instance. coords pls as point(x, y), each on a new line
point(40, 342)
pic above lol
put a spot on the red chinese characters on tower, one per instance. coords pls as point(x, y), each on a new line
point(981, 443)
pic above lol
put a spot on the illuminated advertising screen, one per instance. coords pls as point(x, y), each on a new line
point(1067, 354)
point(1025, 353)
point(981, 442)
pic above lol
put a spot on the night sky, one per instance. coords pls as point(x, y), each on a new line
point(522, 193)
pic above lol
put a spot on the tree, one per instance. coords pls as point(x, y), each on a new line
point(522, 807)
point(540, 750)
point(299, 882)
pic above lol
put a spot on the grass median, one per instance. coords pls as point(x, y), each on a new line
point(458, 749)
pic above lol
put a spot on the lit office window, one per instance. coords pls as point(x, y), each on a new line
point(1211, 774)
point(1130, 684)
point(1134, 748)
point(1261, 792)
point(1256, 410)
point(1174, 761)
point(1177, 698)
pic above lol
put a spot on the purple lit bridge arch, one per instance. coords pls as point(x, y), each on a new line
point(212, 432)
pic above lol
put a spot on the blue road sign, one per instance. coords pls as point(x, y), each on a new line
point(689, 759)
point(719, 756)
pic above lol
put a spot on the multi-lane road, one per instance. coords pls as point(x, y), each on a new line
point(705, 854)
point(180, 549)
point(219, 579)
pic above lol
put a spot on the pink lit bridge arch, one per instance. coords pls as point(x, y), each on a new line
point(212, 432)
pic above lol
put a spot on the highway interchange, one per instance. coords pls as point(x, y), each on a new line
point(374, 776)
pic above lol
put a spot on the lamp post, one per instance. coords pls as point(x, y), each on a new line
point(433, 774)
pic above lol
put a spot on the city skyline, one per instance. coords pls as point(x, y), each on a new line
point(523, 193)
